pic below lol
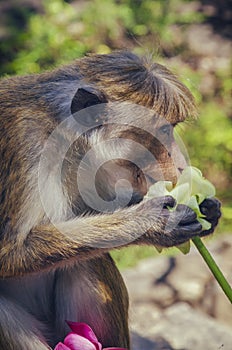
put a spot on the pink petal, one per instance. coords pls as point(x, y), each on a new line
point(77, 342)
point(61, 346)
point(84, 330)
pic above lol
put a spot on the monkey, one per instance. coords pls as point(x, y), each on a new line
point(80, 145)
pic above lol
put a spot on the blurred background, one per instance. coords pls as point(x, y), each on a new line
point(192, 38)
point(175, 301)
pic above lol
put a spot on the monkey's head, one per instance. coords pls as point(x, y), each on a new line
point(128, 108)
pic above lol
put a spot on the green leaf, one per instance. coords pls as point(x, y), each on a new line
point(206, 225)
point(184, 247)
point(159, 249)
point(181, 193)
point(159, 189)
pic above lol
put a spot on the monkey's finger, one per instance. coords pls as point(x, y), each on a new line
point(162, 202)
point(210, 207)
point(190, 230)
point(168, 202)
point(187, 215)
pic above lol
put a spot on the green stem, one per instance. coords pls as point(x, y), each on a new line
point(213, 267)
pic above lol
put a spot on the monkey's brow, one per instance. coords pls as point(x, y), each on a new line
point(165, 123)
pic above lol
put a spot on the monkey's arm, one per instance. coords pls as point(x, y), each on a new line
point(85, 237)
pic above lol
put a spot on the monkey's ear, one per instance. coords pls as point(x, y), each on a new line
point(86, 97)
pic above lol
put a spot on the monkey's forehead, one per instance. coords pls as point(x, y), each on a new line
point(173, 107)
point(128, 113)
point(123, 76)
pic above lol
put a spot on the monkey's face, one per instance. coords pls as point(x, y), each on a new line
point(126, 148)
point(121, 161)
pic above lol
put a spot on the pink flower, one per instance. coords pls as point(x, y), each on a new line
point(82, 337)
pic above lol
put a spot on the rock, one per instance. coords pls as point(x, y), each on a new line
point(189, 329)
point(148, 271)
point(177, 300)
point(141, 343)
point(182, 327)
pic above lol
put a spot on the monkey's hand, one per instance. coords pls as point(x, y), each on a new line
point(211, 208)
point(174, 226)
point(193, 190)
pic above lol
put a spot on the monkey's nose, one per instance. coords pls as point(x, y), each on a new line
point(180, 170)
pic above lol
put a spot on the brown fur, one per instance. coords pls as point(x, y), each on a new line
point(54, 262)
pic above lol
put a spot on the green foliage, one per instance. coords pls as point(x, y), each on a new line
point(62, 34)
point(65, 32)
point(157, 17)
point(209, 143)
point(211, 130)
point(129, 256)
point(105, 20)
point(49, 39)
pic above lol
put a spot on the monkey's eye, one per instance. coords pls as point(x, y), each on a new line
point(139, 175)
point(90, 118)
point(165, 130)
